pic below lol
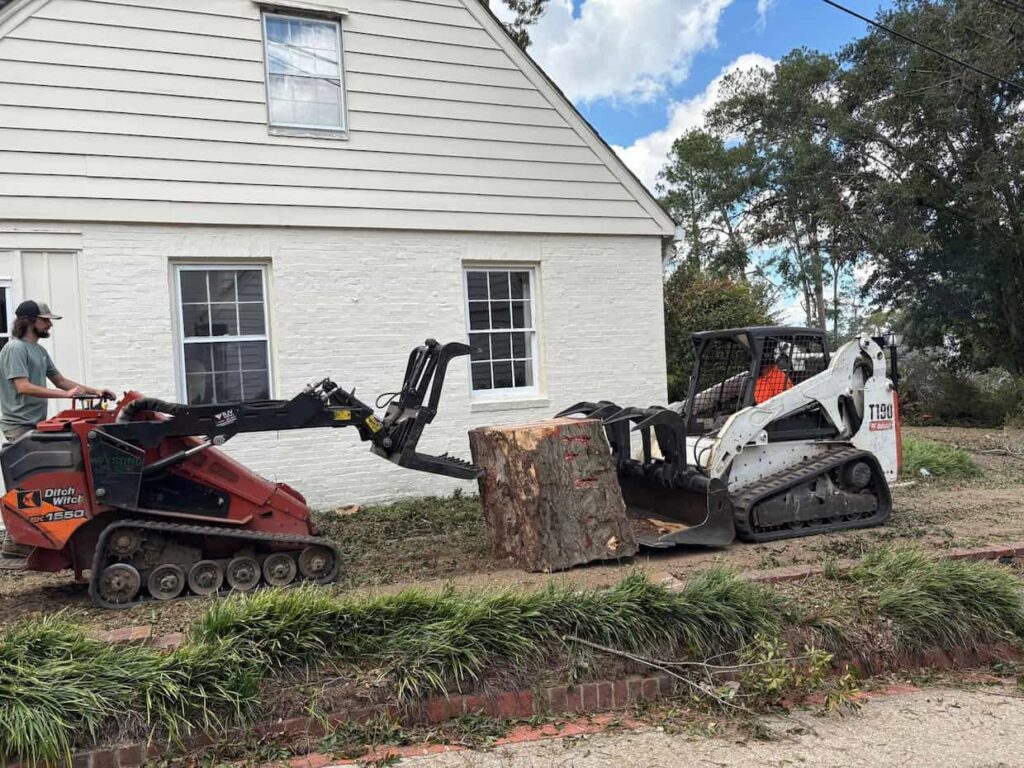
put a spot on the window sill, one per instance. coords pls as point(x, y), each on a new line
point(307, 133)
point(511, 404)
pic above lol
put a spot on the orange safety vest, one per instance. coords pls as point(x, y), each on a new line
point(771, 382)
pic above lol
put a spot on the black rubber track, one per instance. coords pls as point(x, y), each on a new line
point(100, 556)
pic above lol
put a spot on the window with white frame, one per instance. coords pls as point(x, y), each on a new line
point(501, 315)
point(305, 82)
point(6, 311)
point(225, 345)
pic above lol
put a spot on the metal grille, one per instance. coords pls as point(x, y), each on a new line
point(722, 374)
point(787, 360)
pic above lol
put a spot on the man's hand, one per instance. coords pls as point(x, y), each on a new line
point(78, 391)
point(106, 394)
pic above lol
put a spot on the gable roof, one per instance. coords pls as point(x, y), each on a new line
point(573, 116)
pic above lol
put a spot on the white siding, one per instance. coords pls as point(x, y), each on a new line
point(154, 111)
point(339, 309)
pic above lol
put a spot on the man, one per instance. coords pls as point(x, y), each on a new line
point(772, 380)
point(24, 368)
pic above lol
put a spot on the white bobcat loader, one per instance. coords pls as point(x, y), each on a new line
point(776, 439)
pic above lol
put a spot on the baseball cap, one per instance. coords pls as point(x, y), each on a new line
point(35, 309)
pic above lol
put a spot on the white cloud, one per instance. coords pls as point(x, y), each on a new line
point(628, 50)
point(646, 156)
point(763, 6)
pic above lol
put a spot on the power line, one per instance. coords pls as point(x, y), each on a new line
point(936, 51)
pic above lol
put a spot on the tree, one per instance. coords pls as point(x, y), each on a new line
point(527, 12)
point(708, 188)
point(698, 301)
point(801, 211)
point(945, 182)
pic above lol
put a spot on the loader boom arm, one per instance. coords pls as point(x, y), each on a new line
point(325, 404)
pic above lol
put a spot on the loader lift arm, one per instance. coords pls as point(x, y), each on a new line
point(325, 404)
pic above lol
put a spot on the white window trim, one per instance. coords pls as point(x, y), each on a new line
point(7, 284)
point(507, 393)
point(297, 130)
point(180, 320)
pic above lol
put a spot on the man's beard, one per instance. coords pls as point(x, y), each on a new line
point(42, 334)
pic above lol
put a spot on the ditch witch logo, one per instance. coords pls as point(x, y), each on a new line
point(59, 497)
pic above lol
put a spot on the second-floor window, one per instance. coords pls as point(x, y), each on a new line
point(305, 89)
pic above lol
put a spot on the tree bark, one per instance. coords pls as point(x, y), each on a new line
point(550, 494)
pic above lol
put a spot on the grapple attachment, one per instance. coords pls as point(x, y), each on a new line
point(668, 501)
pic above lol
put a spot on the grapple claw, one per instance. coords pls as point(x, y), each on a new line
point(583, 408)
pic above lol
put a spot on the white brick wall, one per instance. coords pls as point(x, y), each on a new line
point(351, 305)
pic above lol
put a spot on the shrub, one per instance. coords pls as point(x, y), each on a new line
point(939, 459)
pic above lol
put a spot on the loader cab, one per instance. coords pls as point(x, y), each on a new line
point(740, 367)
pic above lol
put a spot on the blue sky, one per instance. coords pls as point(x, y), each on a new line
point(643, 71)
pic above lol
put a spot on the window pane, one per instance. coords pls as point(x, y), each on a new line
point(193, 286)
point(501, 346)
point(479, 318)
point(277, 29)
point(282, 111)
point(255, 385)
point(227, 387)
point(520, 283)
point(481, 375)
point(476, 286)
point(499, 284)
point(250, 319)
point(250, 285)
point(199, 388)
point(520, 345)
point(198, 358)
point(501, 314)
point(481, 344)
point(224, 320)
point(524, 373)
point(502, 375)
point(195, 319)
point(252, 355)
point(225, 357)
point(520, 314)
point(3, 311)
point(222, 286)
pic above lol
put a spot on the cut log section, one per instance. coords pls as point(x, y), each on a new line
point(550, 494)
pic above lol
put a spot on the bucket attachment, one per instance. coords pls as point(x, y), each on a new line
point(668, 502)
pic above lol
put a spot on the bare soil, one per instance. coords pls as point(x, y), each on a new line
point(434, 543)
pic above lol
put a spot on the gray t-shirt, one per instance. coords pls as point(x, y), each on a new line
point(23, 360)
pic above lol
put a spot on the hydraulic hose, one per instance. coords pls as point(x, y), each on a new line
point(149, 404)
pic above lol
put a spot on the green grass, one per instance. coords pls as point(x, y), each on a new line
point(941, 603)
point(59, 688)
point(940, 459)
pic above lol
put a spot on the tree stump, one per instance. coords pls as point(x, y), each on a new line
point(550, 494)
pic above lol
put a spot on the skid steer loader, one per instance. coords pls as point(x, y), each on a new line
point(777, 438)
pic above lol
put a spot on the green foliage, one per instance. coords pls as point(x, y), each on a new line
point(698, 301)
point(935, 391)
point(940, 459)
point(58, 686)
point(527, 12)
point(769, 674)
point(942, 603)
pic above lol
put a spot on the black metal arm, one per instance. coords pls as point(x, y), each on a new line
point(324, 404)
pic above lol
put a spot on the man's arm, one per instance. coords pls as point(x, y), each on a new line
point(25, 387)
point(71, 388)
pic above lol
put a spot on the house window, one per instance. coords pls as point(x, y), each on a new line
point(6, 312)
point(304, 73)
point(501, 314)
point(225, 349)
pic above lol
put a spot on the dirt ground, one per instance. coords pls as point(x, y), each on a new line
point(392, 548)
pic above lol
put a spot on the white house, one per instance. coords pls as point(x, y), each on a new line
point(230, 199)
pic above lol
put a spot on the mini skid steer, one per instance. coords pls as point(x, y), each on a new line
point(776, 439)
point(141, 496)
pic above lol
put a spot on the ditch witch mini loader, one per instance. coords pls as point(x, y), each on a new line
point(141, 497)
point(775, 440)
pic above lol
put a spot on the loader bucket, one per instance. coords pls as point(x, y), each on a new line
point(666, 517)
point(668, 503)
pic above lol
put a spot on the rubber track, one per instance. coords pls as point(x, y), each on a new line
point(98, 563)
point(744, 502)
